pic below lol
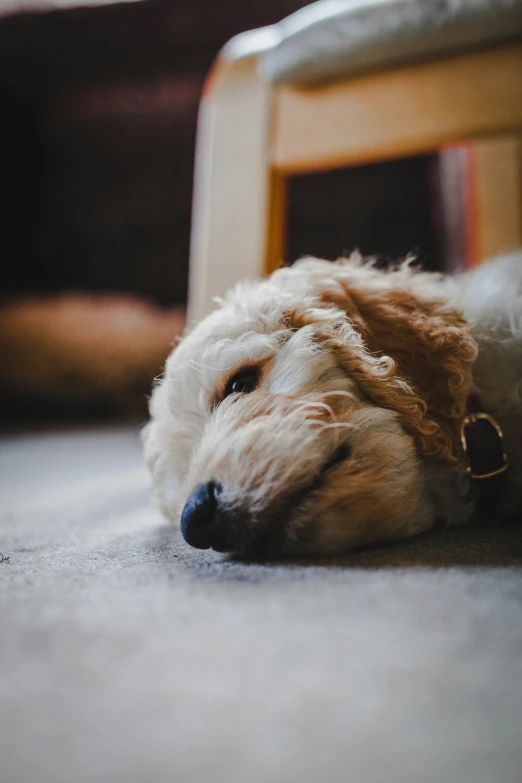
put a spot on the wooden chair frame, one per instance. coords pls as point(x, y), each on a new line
point(253, 135)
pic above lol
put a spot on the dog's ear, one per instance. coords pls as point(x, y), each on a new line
point(414, 356)
point(432, 349)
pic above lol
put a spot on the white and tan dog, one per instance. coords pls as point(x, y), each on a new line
point(321, 409)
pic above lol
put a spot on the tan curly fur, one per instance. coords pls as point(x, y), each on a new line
point(433, 351)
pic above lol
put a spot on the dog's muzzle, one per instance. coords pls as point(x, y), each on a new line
point(208, 521)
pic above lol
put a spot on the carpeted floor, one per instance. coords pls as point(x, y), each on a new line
point(127, 657)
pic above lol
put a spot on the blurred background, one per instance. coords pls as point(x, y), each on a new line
point(99, 110)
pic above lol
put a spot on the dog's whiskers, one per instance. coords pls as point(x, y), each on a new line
point(337, 425)
point(200, 367)
point(316, 406)
point(341, 393)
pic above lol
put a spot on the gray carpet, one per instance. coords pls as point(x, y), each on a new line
point(127, 657)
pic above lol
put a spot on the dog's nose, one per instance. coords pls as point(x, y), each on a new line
point(203, 524)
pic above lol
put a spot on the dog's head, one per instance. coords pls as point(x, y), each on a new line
point(296, 418)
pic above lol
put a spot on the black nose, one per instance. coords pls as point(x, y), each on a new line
point(203, 523)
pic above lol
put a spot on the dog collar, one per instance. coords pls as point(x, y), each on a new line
point(483, 444)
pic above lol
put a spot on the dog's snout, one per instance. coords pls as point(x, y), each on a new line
point(203, 523)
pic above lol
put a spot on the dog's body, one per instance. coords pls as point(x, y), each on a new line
point(322, 409)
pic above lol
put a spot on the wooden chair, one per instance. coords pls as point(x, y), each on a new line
point(284, 100)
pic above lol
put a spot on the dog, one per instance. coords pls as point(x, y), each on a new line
point(335, 405)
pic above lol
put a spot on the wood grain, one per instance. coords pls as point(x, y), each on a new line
point(400, 112)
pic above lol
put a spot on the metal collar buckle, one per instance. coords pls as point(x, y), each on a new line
point(471, 419)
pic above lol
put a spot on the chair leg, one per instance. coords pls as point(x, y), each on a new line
point(235, 193)
point(494, 198)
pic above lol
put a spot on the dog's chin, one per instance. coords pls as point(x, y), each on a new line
point(268, 539)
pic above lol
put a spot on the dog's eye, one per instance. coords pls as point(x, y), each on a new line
point(242, 382)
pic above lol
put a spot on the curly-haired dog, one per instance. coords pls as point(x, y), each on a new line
point(334, 405)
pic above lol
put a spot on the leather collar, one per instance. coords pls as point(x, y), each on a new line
point(483, 444)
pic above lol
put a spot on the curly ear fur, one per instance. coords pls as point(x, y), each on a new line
point(416, 358)
point(433, 351)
